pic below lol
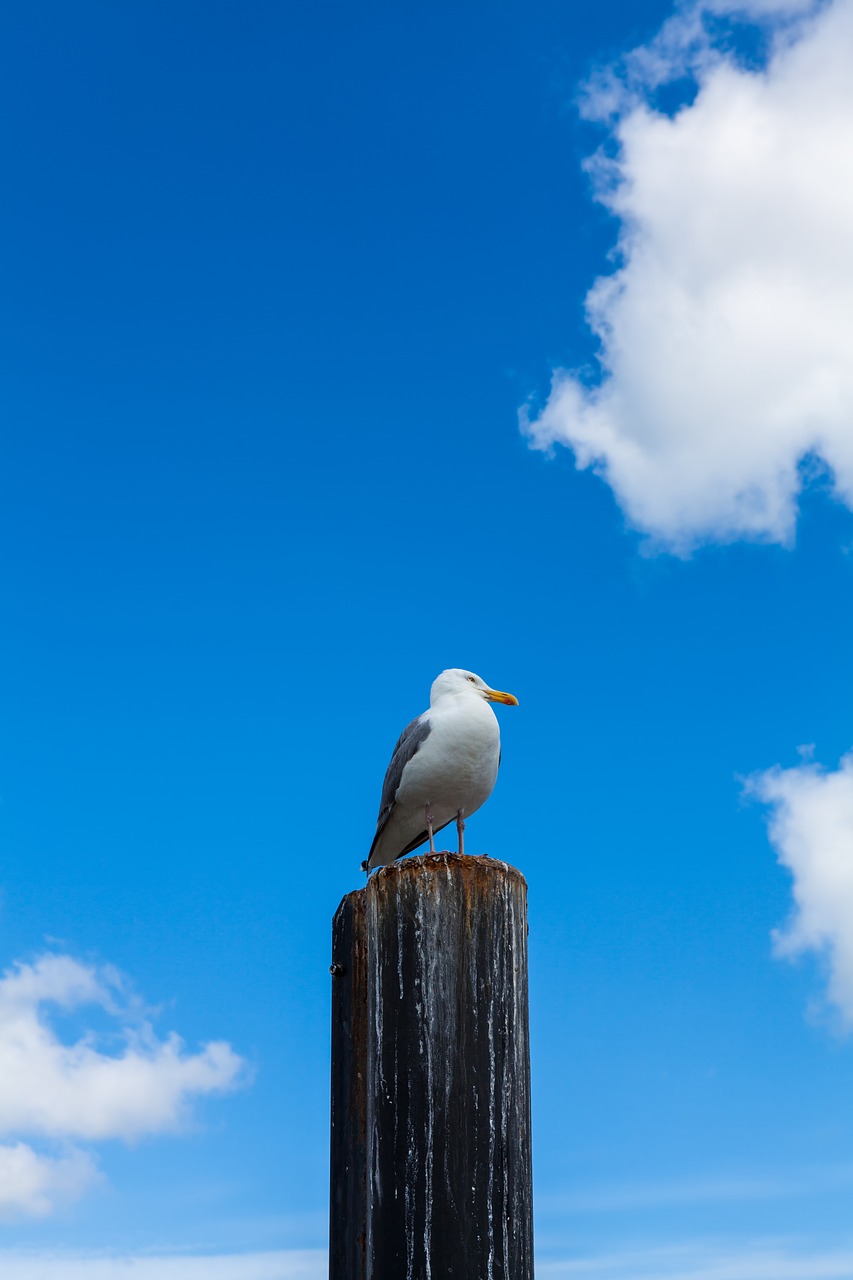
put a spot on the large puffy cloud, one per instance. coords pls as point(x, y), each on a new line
point(58, 1091)
point(726, 330)
point(811, 827)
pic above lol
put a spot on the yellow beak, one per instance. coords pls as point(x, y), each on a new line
point(495, 695)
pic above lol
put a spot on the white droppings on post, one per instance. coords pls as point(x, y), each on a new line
point(410, 1207)
point(399, 937)
point(425, 962)
point(509, 1054)
point(490, 1261)
point(375, 1064)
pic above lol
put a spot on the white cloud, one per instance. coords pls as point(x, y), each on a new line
point(79, 1090)
point(811, 827)
point(726, 330)
point(34, 1185)
point(708, 1260)
point(283, 1264)
point(124, 1084)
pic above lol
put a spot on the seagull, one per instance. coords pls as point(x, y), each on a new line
point(444, 766)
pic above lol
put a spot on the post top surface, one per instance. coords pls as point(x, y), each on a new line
point(445, 863)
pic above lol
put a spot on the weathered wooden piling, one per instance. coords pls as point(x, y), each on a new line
point(431, 1151)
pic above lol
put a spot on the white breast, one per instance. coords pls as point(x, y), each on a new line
point(457, 765)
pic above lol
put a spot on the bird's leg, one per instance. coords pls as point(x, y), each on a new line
point(428, 816)
point(460, 827)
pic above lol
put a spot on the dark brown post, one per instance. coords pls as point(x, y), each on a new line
point(431, 1153)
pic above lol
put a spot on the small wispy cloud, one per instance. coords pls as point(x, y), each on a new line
point(282, 1264)
point(701, 1260)
point(811, 829)
point(125, 1083)
point(33, 1185)
point(708, 1260)
point(723, 375)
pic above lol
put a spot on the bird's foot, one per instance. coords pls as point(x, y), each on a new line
point(460, 827)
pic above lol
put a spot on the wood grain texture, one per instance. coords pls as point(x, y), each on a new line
point(431, 1145)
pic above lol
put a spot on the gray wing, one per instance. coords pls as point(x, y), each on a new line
point(408, 744)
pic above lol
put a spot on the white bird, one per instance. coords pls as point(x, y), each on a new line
point(444, 766)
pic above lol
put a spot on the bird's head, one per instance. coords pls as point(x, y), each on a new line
point(461, 683)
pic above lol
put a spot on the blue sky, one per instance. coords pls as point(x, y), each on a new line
point(342, 345)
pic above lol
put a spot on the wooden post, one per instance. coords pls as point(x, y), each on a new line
point(431, 1154)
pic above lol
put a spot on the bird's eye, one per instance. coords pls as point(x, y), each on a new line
point(473, 679)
